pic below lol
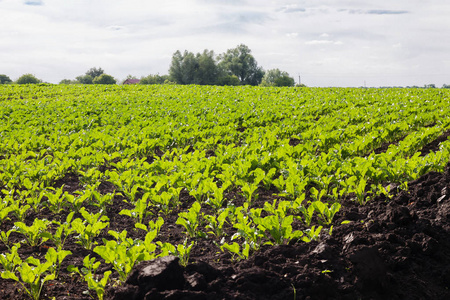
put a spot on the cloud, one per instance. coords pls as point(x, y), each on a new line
point(310, 37)
point(386, 12)
point(376, 11)
point(292, 8)
point(323, 42)
point(34, 2)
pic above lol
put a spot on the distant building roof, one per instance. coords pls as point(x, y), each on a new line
point(131, 81)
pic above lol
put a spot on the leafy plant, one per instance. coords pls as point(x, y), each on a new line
point(152, 225)
point(216, 223)
point(34, 234)
point(32, 275)
point(55, 257)
point(123, 256)
point(236, 251)
point(190, 220)
point(140, 210)
point(62, 232)
point(246, 229)
point(88, 273)
point(278, 223)
point(325, 212)
point(312, 234)
point(182, 251)
point(88, 229)
point(11, 260)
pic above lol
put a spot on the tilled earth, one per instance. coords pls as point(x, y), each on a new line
point(395, 248)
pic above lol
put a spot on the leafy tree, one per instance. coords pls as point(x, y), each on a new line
point(190, 68)
point(446, 86)
point(94, 72)
point(104, 79)
point(275, 77)
point(68, 81)
point(28, 79)
point(154, 79)
point(85, 79)
point(229, 80)
point(208, 71)
point(241, 63)
point(285, 80)
point(183, 69)
point(4, 79)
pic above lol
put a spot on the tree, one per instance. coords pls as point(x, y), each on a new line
point(184, 68)
point(154, 79)
point(229, 80)
point(28, 79)
point(4, 79)
point(68, 81)
point(94, 72)
point(190, 68)
point(275, 77)
point(241, 63)
point(85, 79)
point(104, 79)
point(208, 71)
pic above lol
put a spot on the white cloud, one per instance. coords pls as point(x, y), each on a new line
point(399, 43)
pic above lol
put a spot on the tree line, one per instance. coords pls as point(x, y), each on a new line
point(236, 66)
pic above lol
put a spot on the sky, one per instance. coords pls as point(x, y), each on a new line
point(344, 43)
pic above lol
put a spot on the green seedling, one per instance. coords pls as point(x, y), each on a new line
point(316, 195)
point(123, 257)
point(311, 234)
point(307, 212)
point(19, 211)
point(4, 212)
point(4, 237)
point(102, 201)
point(55, 201)
point(152, 225)
point(34, 234)
point(76, 202)
point(190, 220)
point(55, 257)
point(325, 213)
point(140, 210)
point(122, 238)
point(11, 260)
point(248, 189)
point(215, 223)
point(360, 191)
point(163, 202)
point(215, 197)
point(278, 223)
point(247, 230)
point(62, 232)
point(90, 228)
point(182, 251)
point(88, 273)
point(236, 252)
point(32, 276)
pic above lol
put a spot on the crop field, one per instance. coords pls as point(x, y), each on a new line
point(241, 192)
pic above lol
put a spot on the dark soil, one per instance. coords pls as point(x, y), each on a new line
point(395, 248)
point(434, 145)
point(385, 145)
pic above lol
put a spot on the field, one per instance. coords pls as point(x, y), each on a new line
point(200, 192)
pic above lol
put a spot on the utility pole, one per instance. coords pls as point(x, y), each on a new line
point(299, 79)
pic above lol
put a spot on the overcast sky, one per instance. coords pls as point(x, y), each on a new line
point(326, 42)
